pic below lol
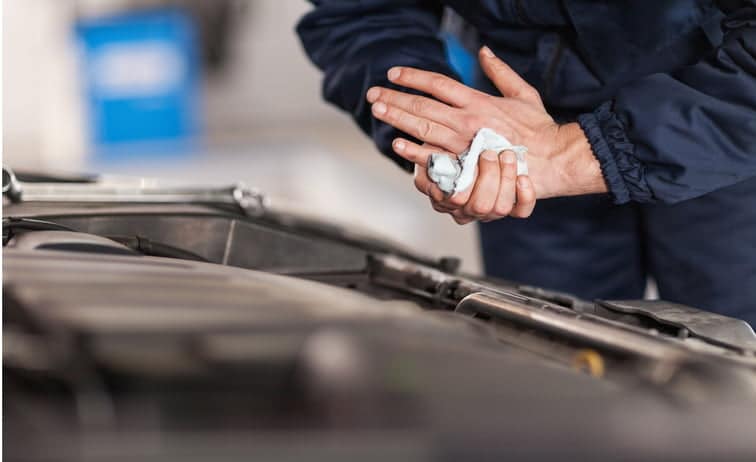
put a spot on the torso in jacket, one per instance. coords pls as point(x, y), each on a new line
point(577, 52)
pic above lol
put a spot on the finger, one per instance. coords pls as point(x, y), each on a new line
point(422, 182)
point(506, 195)
point(440, 208)
point(458, 200)
point(526, 198)
point(486, 188)
point(461, 217)
point(419, 155)
point(442, 87)
point(415, 153)
point(420, 106)
point(426, 186)
point(505, 78)
point(421, 128)
point(439, 197)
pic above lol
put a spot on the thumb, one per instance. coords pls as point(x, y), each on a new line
point(508, 82)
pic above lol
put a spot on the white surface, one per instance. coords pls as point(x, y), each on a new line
point(137, 70)
point(42, 123)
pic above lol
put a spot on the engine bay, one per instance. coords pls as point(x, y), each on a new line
point(180, 329)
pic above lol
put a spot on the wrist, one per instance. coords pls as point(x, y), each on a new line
point(576, 166)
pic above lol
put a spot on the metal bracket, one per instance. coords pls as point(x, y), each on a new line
point(251, 201)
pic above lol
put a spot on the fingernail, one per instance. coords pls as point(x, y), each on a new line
point(523, 182)
point(394, 73)
point(487, 52)
point(509, 157)
point(400, 145)
point(379, 108)
point(490, 155)
point(373, 94)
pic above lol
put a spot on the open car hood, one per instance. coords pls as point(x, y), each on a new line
point(202, 329)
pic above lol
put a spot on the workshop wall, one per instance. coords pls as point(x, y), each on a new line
point(262, 118)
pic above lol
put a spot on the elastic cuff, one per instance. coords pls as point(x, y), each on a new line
point(623, 172)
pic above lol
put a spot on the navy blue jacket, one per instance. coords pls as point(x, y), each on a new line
point(665, 90)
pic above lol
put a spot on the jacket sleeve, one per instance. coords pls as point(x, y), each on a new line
point(355, 42)
point(671, 137)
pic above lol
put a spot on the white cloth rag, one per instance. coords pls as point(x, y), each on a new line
point(453, 175)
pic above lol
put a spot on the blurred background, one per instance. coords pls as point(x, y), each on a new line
point(202, 92)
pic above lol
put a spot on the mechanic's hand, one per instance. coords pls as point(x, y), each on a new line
point(492, 196)
point(559, 157)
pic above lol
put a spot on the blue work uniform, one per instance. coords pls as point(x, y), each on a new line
point(665, 92)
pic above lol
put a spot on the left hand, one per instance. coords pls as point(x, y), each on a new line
point(559, 157)
point(493, 195)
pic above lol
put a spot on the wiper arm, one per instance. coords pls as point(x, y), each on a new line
point(249, 200)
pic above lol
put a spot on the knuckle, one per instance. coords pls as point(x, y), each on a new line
point(503, 210)
point(474, 209)
point(440, 84)
point(480, 209)
point(394, 116)
point(437, 196)
point(459, 144)
point(445, 202)
point(529, 93)
point(461, 219)
point(425, 129)
point(529, 198)
point(456, 201)
point(472, 123)
point(418, 105)
point(527, 213)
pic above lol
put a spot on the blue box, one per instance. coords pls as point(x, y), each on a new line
point(142, 83)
